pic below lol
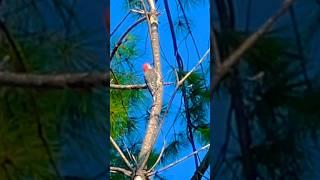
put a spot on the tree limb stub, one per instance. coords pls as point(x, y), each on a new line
point(55, 81)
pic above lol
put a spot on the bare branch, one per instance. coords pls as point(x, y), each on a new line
point(176, 89)
point(116, 28)
point(179, 61)
point(121, 153)
point(191, 35)
point(128, 86)
point(133, 86)
point(181, 82)
point(20, 66)
point(180, 160)
point(125, 35)
point(120, 170)
point(194, 68)
point(234, 58)
point(202, 167)
point(76, 80)
point(159, 158)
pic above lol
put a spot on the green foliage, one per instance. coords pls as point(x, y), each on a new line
point(274, 157)
point(126, 51)
point(134, 4)
point(46, 50)
point(178, 142)
point(121, 103)
point(276, 93)
point(305, 114)
point(21, 149)
point(152, 159)
point(120, 123)
point(204, 133)
point(281, 113)
point(128, 107)
point(198, 100)
point(266, 55)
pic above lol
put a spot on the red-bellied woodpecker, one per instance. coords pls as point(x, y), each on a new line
point(150, 77)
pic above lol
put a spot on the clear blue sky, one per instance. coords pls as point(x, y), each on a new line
point(199, 16)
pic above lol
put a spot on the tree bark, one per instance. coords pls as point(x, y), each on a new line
point(154, 124)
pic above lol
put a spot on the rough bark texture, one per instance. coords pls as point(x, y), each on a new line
point(154, 124)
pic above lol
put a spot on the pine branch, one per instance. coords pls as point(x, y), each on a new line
point(159, 157)
point(120, 170)
point(180, 82)
point(128, 164)
point(234, 58)
point(202, 167)
point(57, 81)
point(20, 66)
point(180, 66)
point(133, 86)
point(194, 68)
point(179, 161)
point(120, 41)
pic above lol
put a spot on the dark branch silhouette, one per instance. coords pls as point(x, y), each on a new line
point(55, 81)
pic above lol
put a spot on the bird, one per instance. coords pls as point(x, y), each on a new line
point(150, 78)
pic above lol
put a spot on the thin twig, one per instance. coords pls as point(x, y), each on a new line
point(131, 156)
point(121, 153)
point(194, 68)
point(121, 170)
point(192, 37)
point(181, 81)
point(183, 89)
point(159, 158)
point(75, 80)
point(300, 47)
point(199, 172)
point(125, 35)
point(116, 28)
point(180, 160)
point(20, 66)
point(133, 86)
point(234, 58)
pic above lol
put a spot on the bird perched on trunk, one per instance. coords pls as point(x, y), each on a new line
point(150, 77)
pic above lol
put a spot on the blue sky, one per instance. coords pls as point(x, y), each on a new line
point(199, 16)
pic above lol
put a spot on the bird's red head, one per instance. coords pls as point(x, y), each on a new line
point(146, 67)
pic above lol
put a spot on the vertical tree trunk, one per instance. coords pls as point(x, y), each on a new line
point(154, 125)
